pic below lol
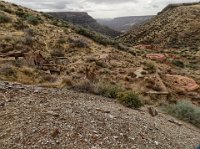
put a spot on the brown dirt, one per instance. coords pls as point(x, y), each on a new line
point(34, 117)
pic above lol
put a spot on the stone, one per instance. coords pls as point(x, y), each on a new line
point(153, 111)
point(182, 82)
point(55, 133)
point(159, 57)
point(175, 122)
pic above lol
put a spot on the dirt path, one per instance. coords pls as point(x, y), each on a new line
point(37, 118)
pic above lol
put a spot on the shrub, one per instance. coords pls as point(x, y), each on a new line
point(30, 32)
point(27, 71)
point(3, 8)
point(66, 82)
point(151, 66)
point(4, 18)
point(57, 53)
point(95, 36)
point(33, 20)
point(20, 13)
point(107, 89)
point(61, 40)
point(130, 99)
point(49, 78)
point(80, 43)
point(28, 40)
point(98, 88)
point(178, 63)
point(20, 25)
point(7, 71)
point(185, 111)
point(84, 86)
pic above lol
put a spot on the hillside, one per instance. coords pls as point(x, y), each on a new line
point(124, 24)
point(38, 49)
point(177, 26)
point(83, 19)
point(52, 74)
point(35, 117)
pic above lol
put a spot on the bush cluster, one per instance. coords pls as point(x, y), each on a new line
point(4, 18)
point(130, 99)
point(186, 111)
point(127, 98)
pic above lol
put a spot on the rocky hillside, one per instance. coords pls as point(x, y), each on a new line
point(56, 58)
point(38, 49)
point(53, 118)
point(124, 24)
point(83, 19)
point(176, 26)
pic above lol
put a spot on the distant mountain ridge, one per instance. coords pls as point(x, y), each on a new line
point(123, 24)
point(85, 20)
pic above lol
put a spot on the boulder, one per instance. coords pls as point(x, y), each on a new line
point(182, 82)
point(159, 57)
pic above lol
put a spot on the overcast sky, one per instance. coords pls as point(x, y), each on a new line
point(101, 8)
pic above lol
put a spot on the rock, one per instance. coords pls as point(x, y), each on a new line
point(55, 133)
point(53, 113)
point(153, 111)
point(140, 73)
point(175, 122)
point(182, 83)
point(156, 143)
point(2, 103)
point(159, 57)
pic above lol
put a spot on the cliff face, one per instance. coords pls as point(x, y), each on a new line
point(85, 20)
point(123, 24)
point(176, 26)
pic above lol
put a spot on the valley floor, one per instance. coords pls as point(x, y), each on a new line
point(34, 117)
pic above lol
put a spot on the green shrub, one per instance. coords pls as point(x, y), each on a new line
point(3, 8)
point(107, 89)
point(151, 66)
point(61, 40)
point(20, 13)
point(98, 88)
point(104, 40)
point(130, 99)
point(4, 18)
point(178, 63)
point(33, 20)
point(185, 111)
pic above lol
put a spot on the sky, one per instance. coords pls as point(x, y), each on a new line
point(101, 8)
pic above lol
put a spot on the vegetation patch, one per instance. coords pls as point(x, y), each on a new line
point(151, 66)
point(33, 20)
point(185, 111)
point(95, 36)
point(4, 18)
point(130, 99)
point(178, 63)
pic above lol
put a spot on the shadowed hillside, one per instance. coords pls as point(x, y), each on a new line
point(83, 19)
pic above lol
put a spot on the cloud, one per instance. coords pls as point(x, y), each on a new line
point(101, 8)
point(111, 1)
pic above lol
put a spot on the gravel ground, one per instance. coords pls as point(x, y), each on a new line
point(37, 118)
